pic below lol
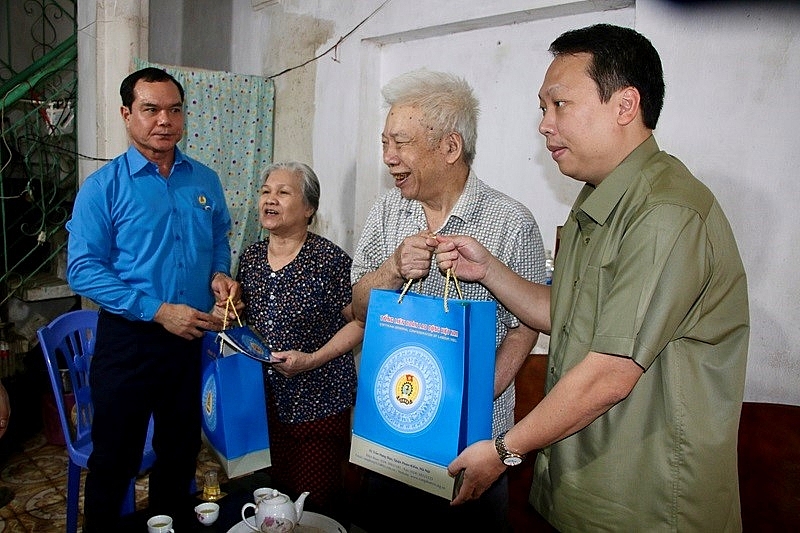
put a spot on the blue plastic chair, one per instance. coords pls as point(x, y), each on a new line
point(68, 343)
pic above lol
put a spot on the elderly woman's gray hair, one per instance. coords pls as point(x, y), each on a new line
point(309, 179)
point(445, 100)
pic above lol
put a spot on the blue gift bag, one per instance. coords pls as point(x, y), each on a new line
point(425, 386)
point(234, 409)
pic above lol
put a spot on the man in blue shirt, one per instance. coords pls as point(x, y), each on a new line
point(149, 244)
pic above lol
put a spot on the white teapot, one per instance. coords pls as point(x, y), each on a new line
point(275, 512)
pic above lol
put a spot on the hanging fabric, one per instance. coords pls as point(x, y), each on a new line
point(229, 127)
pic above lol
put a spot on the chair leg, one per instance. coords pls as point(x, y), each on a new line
point(73, 494)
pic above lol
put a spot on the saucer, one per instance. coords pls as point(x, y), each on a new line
point(309, 523)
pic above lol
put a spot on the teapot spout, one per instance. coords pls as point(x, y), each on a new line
point(298, 505)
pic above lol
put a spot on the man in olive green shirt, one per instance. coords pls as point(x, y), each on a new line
point(648, 315)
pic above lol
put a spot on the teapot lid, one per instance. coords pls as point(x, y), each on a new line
point(277, 496)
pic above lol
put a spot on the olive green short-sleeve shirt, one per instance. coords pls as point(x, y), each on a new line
point(648, 268)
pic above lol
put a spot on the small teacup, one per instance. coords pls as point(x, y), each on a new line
point(207, 513)
point(160, 523)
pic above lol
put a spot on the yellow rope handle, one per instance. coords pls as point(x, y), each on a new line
point(450, 274)
point(229, 306)
point(405, 290)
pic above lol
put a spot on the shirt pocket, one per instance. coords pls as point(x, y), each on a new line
point(201, 223)
point(586, 307)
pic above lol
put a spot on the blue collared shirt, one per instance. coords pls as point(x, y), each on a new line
point(137, 240)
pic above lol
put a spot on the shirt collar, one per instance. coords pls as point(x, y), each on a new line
point(137, 162)
point(465, 205)
point(598, 202)
point(468, 201)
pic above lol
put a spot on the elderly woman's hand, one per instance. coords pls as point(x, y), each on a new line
point(292, 362)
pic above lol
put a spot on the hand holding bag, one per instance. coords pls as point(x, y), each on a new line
point(425, 386)
point(234, 424)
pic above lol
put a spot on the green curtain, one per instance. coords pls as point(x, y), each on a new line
point(229, 127)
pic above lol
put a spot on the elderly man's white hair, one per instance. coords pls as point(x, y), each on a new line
point(446, 102)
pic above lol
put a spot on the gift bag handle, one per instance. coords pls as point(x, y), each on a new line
point(450, 274)
point(229, 306)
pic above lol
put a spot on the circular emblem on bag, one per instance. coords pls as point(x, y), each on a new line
point(210, 402)
point(408, 389)
point(254, 345)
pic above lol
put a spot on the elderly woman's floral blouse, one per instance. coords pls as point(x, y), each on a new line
point(299, 308)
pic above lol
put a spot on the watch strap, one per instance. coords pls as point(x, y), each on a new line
point(508, 457)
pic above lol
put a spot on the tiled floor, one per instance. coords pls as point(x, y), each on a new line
point(37, 475)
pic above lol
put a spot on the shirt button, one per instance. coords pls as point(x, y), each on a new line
point(586, 240)
point(270, 371)
point(553, 370)
point(271, 296)
point(575, 283)
point(272, 274)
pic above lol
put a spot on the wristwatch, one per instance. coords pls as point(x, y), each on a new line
point(508, 457)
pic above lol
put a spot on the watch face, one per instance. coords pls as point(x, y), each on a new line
point(512, 460)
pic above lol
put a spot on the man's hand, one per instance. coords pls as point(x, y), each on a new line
point(481, 465)
point(412, 259)
point(225, 287)
point(467, 258)
point(185, 321)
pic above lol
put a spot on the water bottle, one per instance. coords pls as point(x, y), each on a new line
point(548, 267)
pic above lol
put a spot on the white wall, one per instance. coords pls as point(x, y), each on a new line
point(732, 78)
point(110, 35)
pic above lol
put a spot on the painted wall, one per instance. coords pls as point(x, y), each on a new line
point(732, 75)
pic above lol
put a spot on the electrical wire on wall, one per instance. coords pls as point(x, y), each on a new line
point(333, 48)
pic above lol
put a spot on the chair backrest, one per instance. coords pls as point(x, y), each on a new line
point(68, 344)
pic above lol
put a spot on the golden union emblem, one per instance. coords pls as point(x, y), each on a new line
point(406, 389)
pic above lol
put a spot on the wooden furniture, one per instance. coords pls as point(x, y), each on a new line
point(530, 390)
point(769, 466)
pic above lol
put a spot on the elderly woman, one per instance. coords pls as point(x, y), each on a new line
point(296, 288)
